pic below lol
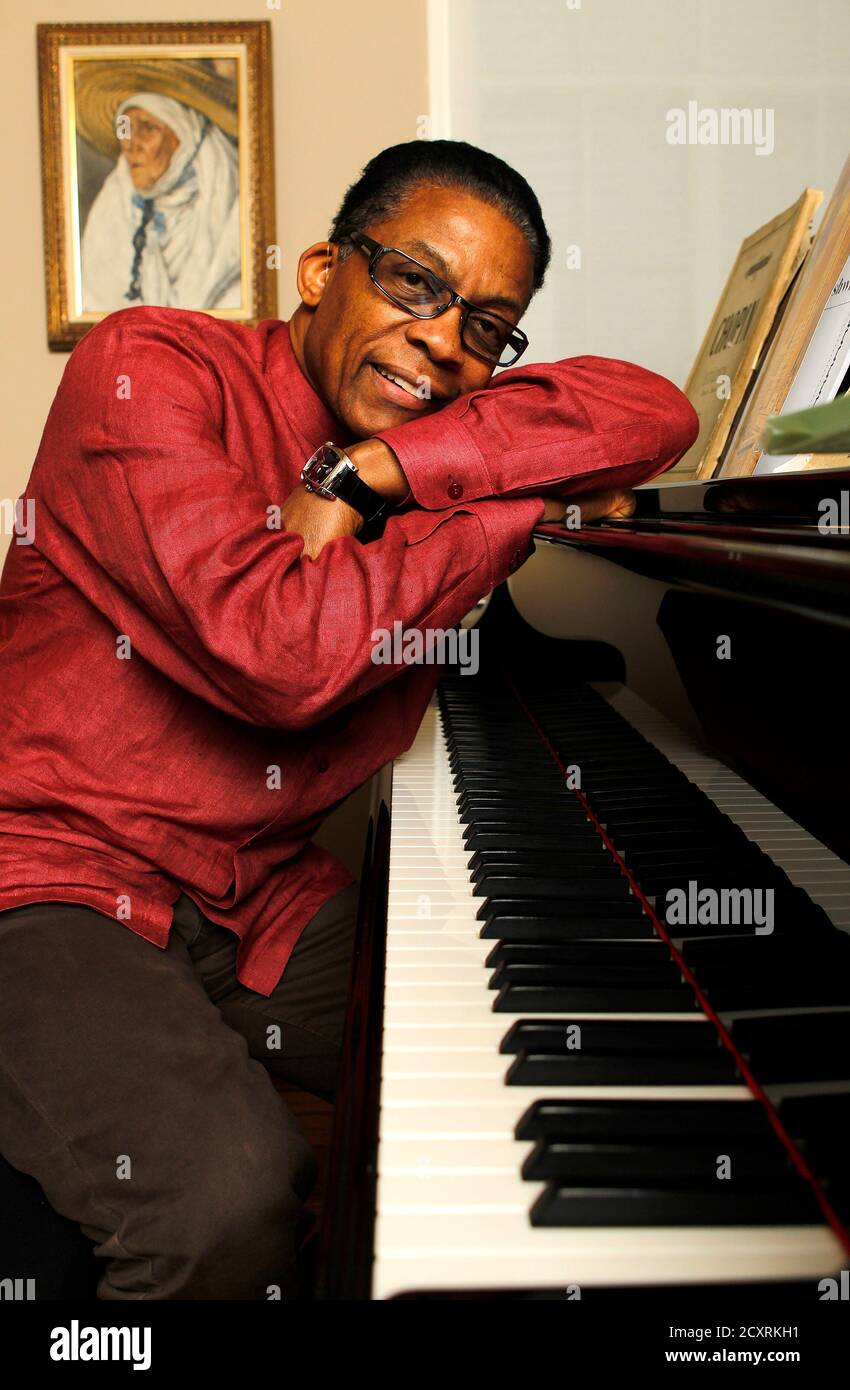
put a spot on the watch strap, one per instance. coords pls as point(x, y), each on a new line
point(352, 489)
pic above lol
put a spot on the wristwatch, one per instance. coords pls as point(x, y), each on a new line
point(331, 473)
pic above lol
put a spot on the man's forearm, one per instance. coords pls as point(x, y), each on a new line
point(379, 467)
point(578, 425)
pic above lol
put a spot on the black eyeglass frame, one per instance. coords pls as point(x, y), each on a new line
point(517, 339)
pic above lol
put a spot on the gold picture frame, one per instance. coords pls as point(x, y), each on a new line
point(163, 202)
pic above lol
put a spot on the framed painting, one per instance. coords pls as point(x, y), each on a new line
point(157, 171)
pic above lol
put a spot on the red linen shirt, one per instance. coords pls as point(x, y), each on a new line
point(186, 697)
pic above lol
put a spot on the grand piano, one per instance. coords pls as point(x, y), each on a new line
point(598, 1032)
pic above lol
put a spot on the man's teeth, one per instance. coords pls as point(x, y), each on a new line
point(411, 390)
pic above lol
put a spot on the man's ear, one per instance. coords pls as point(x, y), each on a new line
point(315, 266)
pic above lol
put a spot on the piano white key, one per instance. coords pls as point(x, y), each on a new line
point(450, 1250)
point(452, 1222)
point(428, 1086)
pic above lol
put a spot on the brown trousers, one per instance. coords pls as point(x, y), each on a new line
point(135, 1087)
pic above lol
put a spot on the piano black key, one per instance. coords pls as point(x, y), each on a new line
point(745, 1203)
point(529, 926)
point(546, 801)
point(607, 1067)
point(663, 856)
point(585, 890)
point(540, 852)
point(628, 772)
point(526, 820)
point(494, 755)
point(564, 1161)
point(587, 848)
point(509, 786)
point(543, 824)
point(520, 816)
point(579, 837)
point(692, 838)
point(638, 780)
point(609, 999)
point(516, 906)
point(508, 753)
point(635, 841)
point(484, 864)
point(546, 1034)
point(490, 807)
point(617, 1121)
point(533, 826)
point(713, 872)
point(705, 836)
point(629, 799)
point(622, 762)
point(579, 952)
point(539, 823)
point(654, 973)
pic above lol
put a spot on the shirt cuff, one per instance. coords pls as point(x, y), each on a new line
point(441, 461)
point(508, 526)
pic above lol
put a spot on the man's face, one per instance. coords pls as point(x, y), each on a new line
point(149, 148)
point(345, 329)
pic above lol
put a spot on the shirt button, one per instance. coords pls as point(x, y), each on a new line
point(516, 559)
point(322, 764)
point(455, 490)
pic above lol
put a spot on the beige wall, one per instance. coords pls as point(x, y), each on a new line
point(348, 80)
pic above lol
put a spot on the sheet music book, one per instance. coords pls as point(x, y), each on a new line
point(727, 360)
point(808, 354)
point(822, 372)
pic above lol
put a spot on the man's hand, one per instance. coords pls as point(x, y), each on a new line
point(617, 503)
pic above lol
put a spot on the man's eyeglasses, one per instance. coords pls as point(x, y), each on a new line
point(415, 288)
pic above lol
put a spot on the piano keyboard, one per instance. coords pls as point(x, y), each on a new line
point(554, 1101)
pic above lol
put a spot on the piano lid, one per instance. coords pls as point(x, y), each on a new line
point(783, 540)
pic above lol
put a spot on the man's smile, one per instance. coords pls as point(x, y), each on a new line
point(404, 389)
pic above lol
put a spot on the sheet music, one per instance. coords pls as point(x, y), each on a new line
point(823, 368)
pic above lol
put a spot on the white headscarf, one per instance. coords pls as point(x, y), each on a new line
point(191, 256)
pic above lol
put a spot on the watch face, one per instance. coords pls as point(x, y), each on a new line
point(323, 463)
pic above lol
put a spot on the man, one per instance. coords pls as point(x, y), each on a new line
point(187, 665)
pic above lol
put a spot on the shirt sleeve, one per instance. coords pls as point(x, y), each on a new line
point(139, 505)
point(583, 423)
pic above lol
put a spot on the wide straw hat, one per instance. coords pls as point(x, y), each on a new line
point(102, 84)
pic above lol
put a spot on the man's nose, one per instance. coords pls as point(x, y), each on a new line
point(440, 336)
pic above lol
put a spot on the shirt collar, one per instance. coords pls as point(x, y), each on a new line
point(304, 407)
